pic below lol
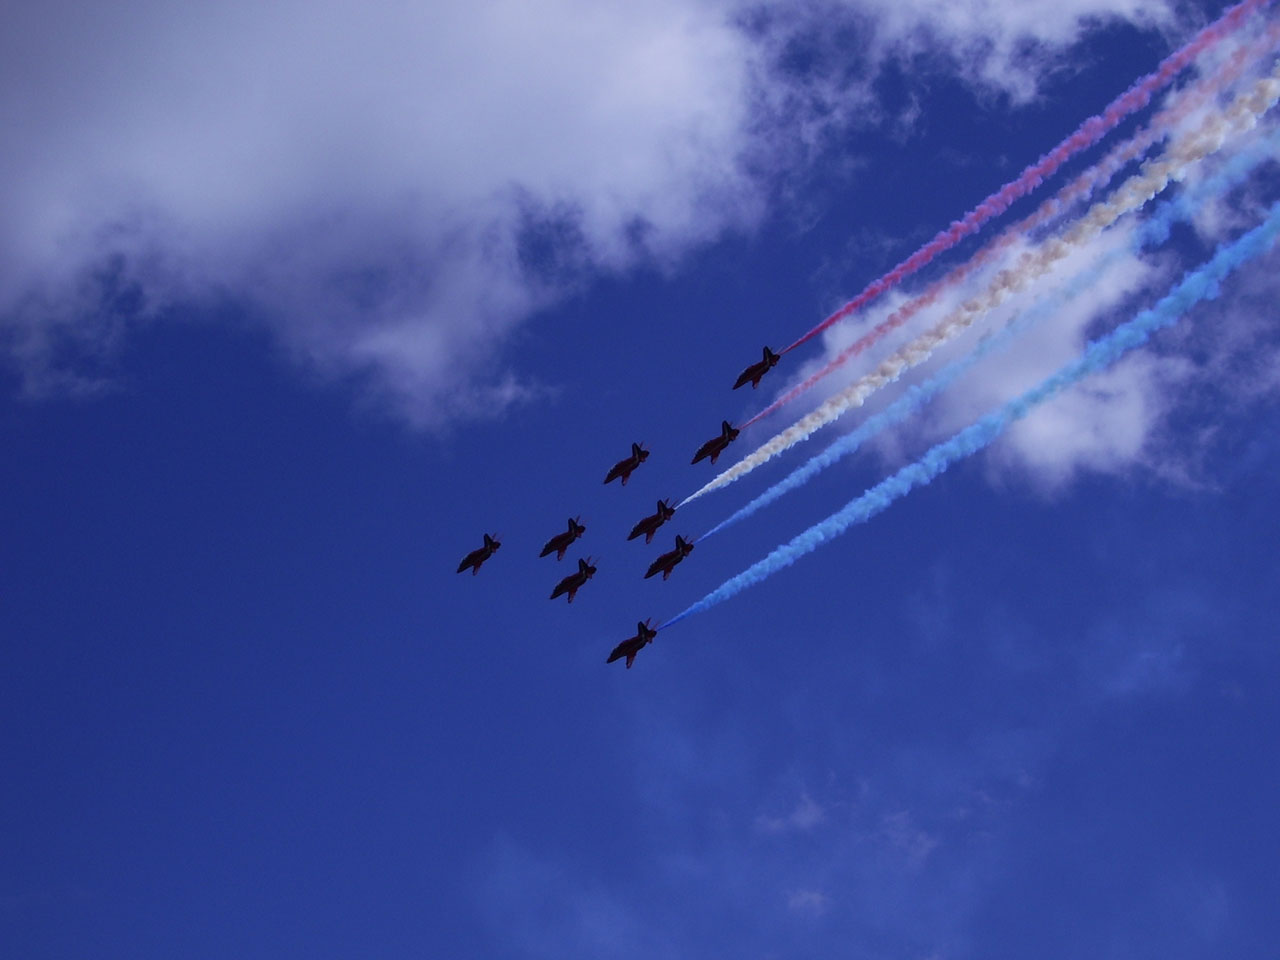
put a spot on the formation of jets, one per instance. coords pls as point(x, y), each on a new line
point(622, 470)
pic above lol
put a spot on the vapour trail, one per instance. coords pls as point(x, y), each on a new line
point(1200, 284)
point(1086, 135)
point(1081, 188)
point(1153, 231)
point(1153, 177)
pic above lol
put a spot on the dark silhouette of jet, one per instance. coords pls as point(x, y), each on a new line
point(623, 468)
point(477, 557)
point(561, 541)
point(630, 647)
point(667, 561)
point(649, 525)
point(715, 446)
point(758, 369)
point(574, 581)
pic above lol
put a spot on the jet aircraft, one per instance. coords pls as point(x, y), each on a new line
point(479, 556)
point(715, 446)
point(757, 370)
point(630, 647)
point(623, 468)
point(649, 525)
point(574, 581)
point(665, 563)
point(561, 541)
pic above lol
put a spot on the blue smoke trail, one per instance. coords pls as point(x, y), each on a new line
point(1153, 231)
point(1200, 284)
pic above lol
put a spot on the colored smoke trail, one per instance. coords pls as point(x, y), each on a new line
point(1086, 135)
point(1154, 230)
point(1199, 284)
point(1081, 188)
point(1153, 177)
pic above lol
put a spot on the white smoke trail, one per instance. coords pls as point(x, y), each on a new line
point(1083, 187)
point(1197, 285)
point(1153, 230)
point(1154, 176)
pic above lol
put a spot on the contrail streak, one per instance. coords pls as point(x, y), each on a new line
point(1086, 135)
point(1154, 230)
point(1082, 187)
point(1154, 176)
point(1200, 284)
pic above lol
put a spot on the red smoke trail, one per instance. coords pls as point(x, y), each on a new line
point(1088, 133)
point(1082, 186)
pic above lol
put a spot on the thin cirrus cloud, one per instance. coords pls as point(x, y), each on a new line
point(362, 178)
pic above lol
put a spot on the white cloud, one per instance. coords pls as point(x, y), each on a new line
point(1156, 412)
point(1005, 46)
point(360, 175)
point(1102, 423)
point(372, 181)
point(1100, 426)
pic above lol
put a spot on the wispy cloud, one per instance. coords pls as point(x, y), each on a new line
point(811, 902)
point(902, 832)
point(538, 907)
point(935, 797)
point(806, 815)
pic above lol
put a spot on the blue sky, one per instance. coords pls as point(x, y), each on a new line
point(293, 308)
